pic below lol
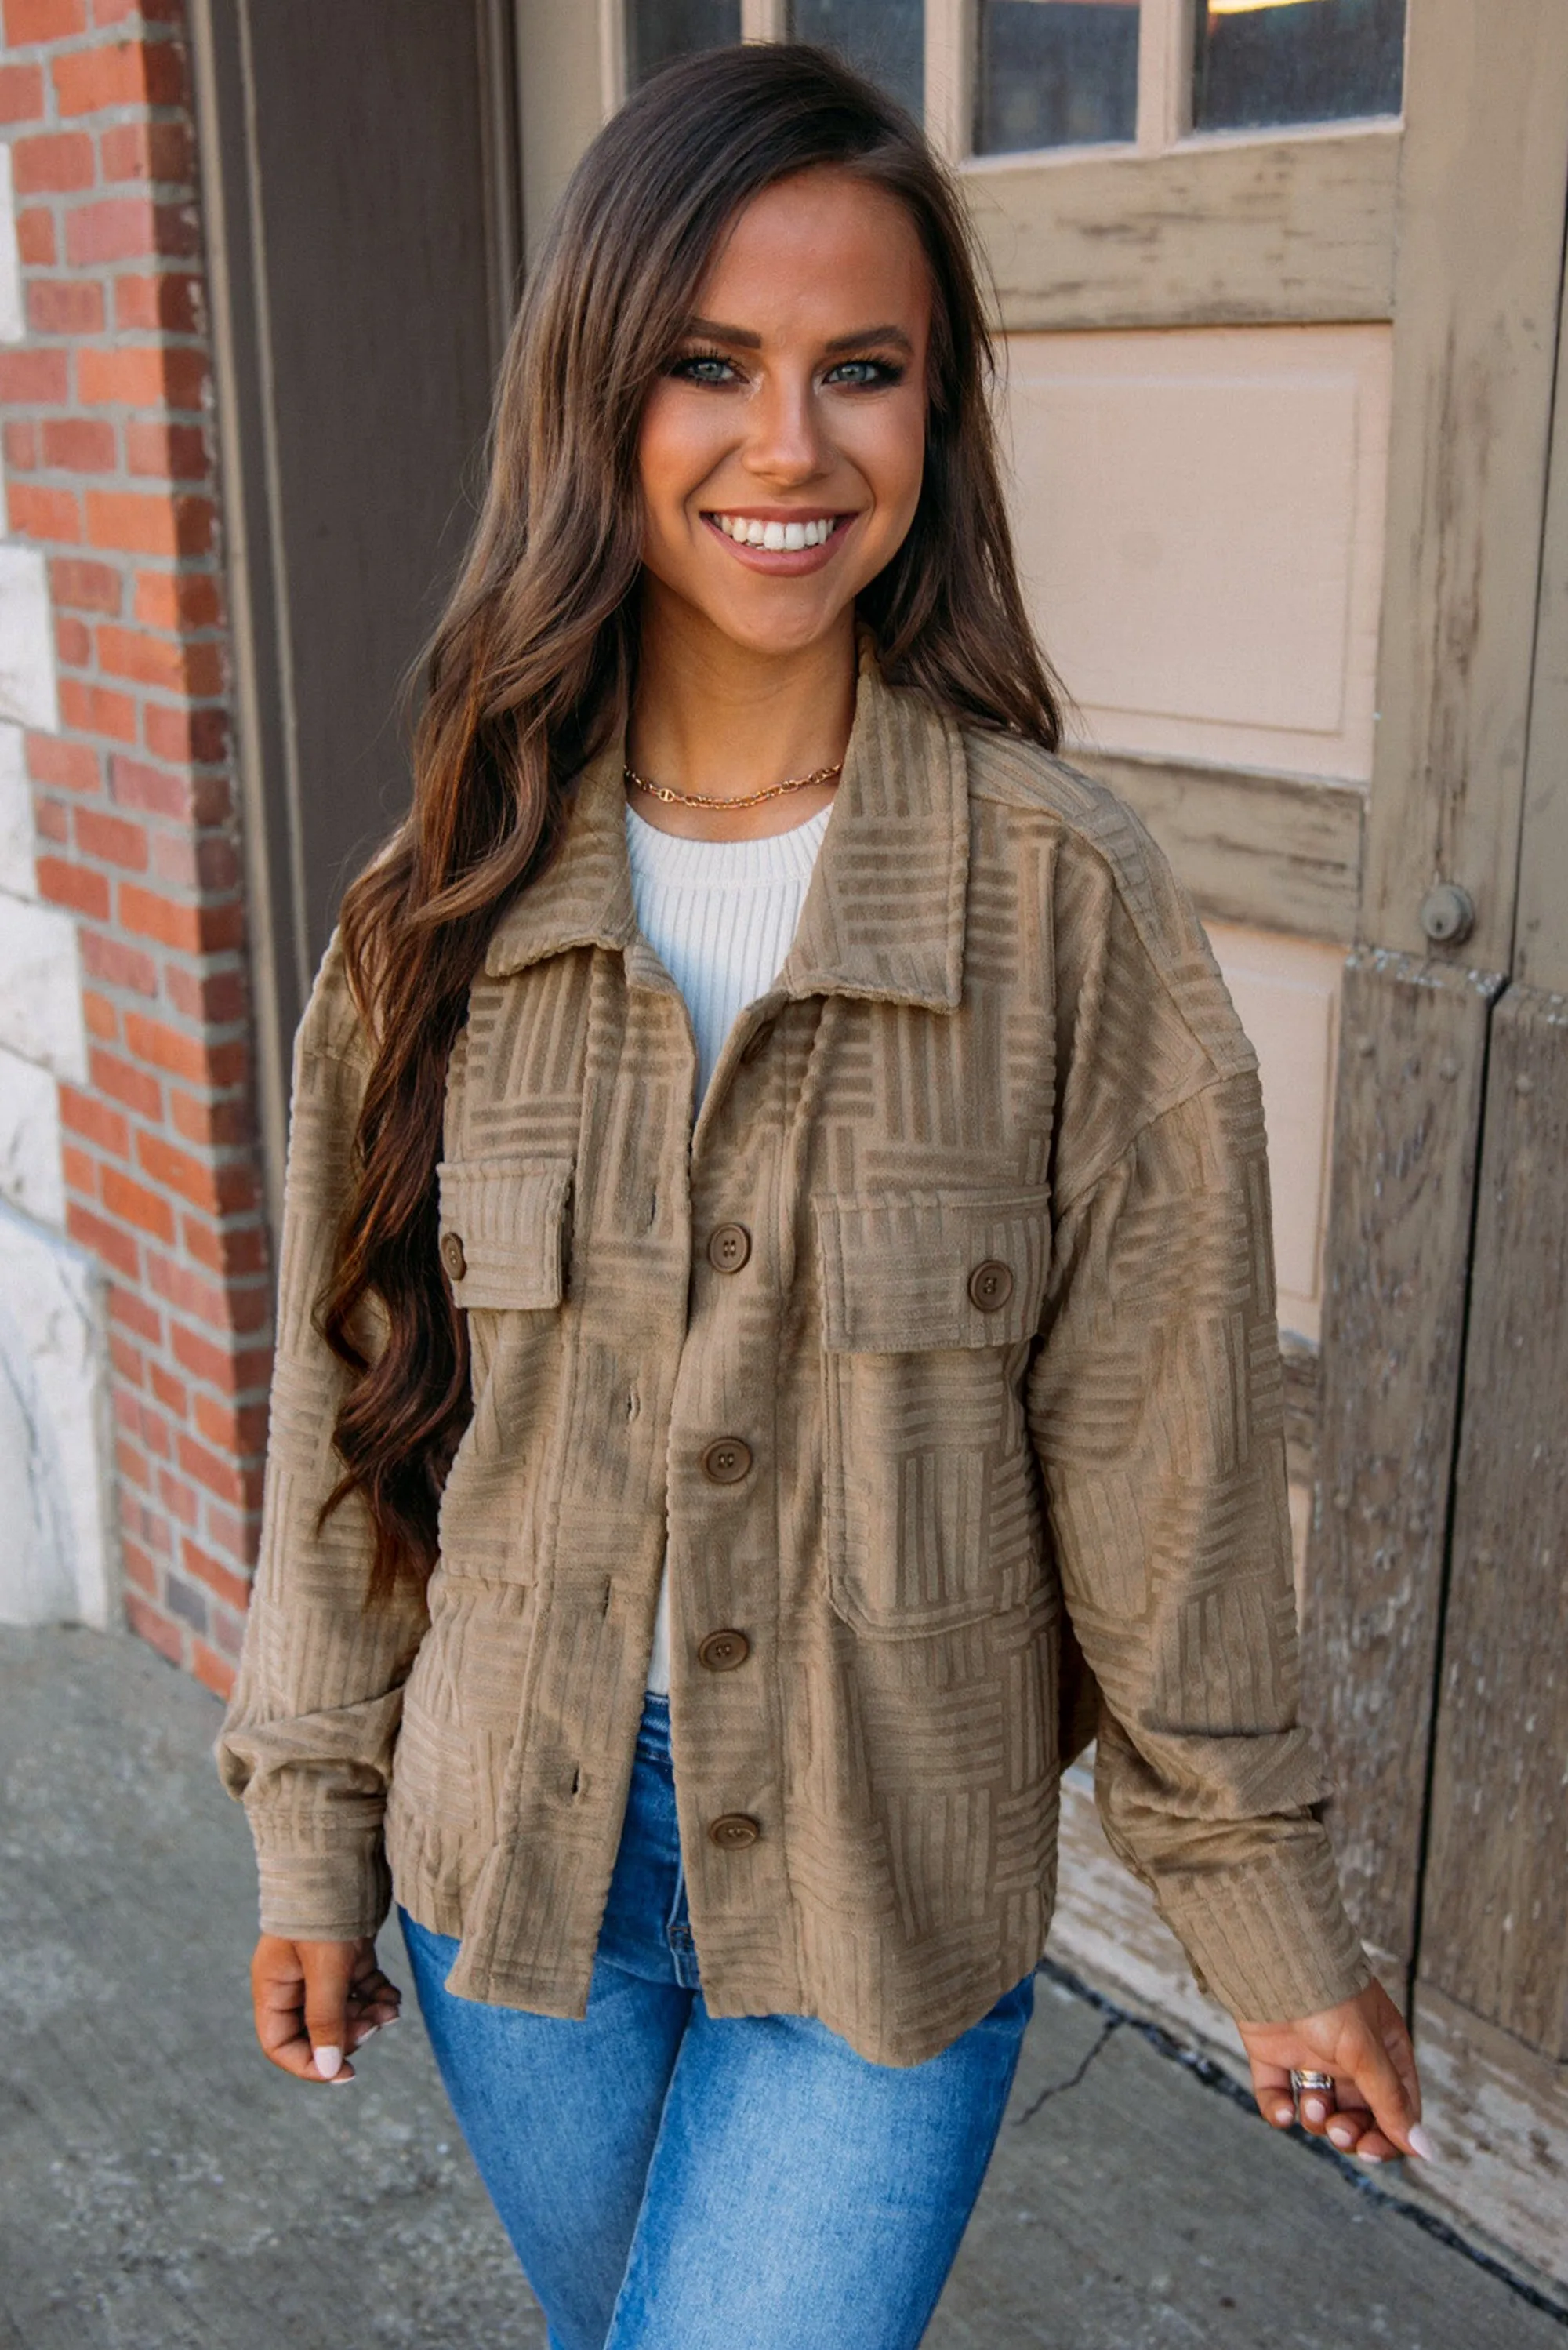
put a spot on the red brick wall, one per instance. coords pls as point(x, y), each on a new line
point(109, 467)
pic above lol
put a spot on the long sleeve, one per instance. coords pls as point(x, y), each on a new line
point(308, 1739)
point(1155, 1403)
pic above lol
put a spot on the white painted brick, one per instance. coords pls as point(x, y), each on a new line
point(40, 987)
point(59, 1559)
point(27, 694)
point(13, 315)
point(17, 872)
point(31, 1176)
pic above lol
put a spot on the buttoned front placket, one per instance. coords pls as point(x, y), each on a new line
point(727, 1736)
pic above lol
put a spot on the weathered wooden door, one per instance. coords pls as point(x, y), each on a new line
point(1492, 1977)
point(1300, 378)
point(1279, 282)
point(1434, 1617)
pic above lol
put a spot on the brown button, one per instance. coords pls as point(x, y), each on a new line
point(452, 1257)
point(757, 1040)
point(726, 1461)
point(729, 1246)
point(735, 1830)
point(723, 1651)
point(990, 1284)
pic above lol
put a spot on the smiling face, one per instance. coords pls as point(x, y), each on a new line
point(781, 452)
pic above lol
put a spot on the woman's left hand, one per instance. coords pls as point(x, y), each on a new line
point(1376, 2109)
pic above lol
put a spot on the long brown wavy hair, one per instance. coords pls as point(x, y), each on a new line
point(535, 660)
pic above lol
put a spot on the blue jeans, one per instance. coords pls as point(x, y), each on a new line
point(676, 2182)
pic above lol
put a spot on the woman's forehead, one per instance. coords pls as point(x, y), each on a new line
point(814, 249)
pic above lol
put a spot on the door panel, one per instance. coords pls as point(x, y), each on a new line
point(1289, 231)
point(1412, 1063)
point(1495, 1920)
point(1159, 476)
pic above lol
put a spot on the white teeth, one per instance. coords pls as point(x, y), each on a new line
point(775, 536)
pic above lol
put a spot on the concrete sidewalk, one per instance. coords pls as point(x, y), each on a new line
point(160, 2189)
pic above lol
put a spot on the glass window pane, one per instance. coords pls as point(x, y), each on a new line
point(1055, 73)
point(657, 31)
point(883, 39)
point(1263, 61)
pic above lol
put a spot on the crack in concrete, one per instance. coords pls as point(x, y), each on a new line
point(1215, 2076)
point(1111, 2025)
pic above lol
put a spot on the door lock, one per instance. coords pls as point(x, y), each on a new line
point(1447, 914)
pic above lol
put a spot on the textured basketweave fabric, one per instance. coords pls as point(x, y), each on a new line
point(1000, 1041)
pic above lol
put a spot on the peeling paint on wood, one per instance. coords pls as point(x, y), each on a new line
point(1494, 1932)
point(1259, 232)
point(1499, 2119)
point(1412, 1054)
point(1283, 851)
point(1482, 179)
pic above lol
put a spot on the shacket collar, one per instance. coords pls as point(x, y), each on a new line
point(883, 916)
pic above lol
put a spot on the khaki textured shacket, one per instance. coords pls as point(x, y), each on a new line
point(955, 1310)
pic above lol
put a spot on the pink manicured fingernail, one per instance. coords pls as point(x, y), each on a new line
point(1285, 2114)
point(329, 2063)
point(1422, 2145)
point(1314, 2110)
point(1362, 2154)
point(1342, 2136)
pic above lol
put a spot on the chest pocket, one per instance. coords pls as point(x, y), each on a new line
point(504, 1243)
point(930, 1303)
point(504, 1231)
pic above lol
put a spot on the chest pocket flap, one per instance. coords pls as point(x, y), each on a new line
point(902, 1275)
point(504, 1231)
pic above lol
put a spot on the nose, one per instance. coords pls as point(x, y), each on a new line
point(785, 442)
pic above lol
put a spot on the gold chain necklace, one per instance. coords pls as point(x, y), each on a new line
point(751, 799)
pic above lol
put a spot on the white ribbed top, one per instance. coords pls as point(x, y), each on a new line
point(721, 915)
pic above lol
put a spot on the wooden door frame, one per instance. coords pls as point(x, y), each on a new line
point(240, 237)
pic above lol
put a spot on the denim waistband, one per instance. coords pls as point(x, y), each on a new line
point(653, 1730)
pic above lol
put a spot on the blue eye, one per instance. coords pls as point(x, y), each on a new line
point(703, 367)
point(869, 375)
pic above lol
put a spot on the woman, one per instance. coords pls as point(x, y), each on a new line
point(683, 1543)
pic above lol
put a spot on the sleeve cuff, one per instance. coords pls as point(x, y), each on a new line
point(324, 1879)
point(1268, 1937)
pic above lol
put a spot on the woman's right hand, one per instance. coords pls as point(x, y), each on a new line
point(315, 2003)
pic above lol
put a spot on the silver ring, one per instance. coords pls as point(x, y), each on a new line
point(1319, 2081)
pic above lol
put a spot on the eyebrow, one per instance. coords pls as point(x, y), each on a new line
point(741, 338)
